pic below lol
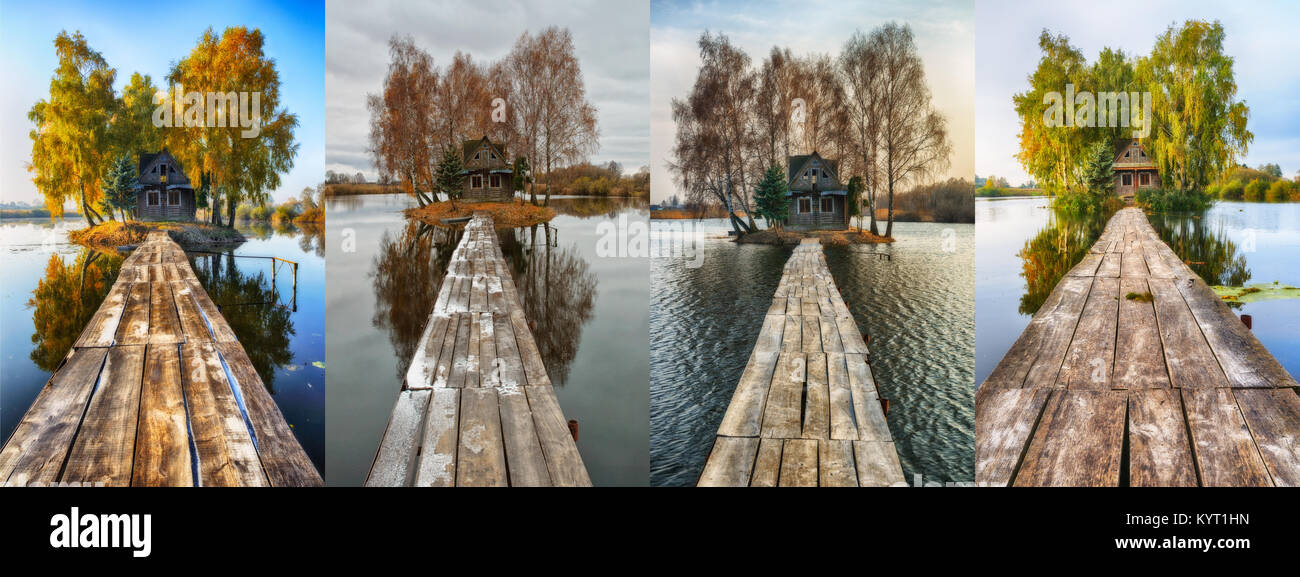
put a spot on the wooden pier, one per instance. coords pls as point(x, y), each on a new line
point(477, 407)
point(806, 411)
point(1134, 372)
point(157, 391)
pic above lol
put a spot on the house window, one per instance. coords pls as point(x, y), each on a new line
point(824, 177)
point(805, 205)
point(153, 198)
point(476, 181)
point(476, 155)
point(1128, 180)
point(174, 197)
point(828, 204)
point(1145, 179)
point(496, 181)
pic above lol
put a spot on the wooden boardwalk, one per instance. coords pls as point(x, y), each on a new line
point(806, 411)
point(1134, 373)
point(156, 391)
point(477, 407)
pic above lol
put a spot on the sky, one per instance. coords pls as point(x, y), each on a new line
point(609, 37)
point(944, 33)
point(1261, 37)
point(135, 37)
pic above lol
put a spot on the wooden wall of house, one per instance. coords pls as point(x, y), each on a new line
point(1153, 181)
point(183, 212)
point(816, 219)
point(502, 193)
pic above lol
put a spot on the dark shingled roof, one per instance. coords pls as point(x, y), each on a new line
point(146, 159)
point(467, 148)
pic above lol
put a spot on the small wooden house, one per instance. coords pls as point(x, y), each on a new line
point(489, 175)
point(163, 192)
point(1134, 170)
point(817, 197)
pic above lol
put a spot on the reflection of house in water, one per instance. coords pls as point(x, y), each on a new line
point(1134, 170)
point(163, 191)
point(817, 198)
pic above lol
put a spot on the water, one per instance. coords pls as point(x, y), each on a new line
point(282, 342)
point(917, 308)
point(1024, 248)
point(589, 312)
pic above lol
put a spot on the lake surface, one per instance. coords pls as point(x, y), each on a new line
point(588, 307)
point(710, 295)
point(51, 288)
point(1024, 248)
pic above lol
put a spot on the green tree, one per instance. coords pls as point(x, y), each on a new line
point(854, 199)
point(522, 176)
point(119, 186)
point(1050, 153)
point(450, 179)
point(1199, 127)
point(132, 130)
point(71, 136)
point(770, 197)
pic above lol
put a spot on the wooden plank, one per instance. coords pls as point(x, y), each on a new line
point(817, 403)
point(843, 425)
point(1243, 359)
point(1132, 263)
point(221, 438)
point(283, 459)
point(193, 327)
point(103, 326)
point(534, 368)
point(221, 331)
point(37, 448)
point(437, 455)
point(1139, 357)
point(866, 402)
point(1004, 422)
point(460, 354)
point(791, 339)
point(424, 365)
point(836, 465)
point(395, 461)
point(509, 361)
point(767, 465)
point(489, 368)
point(1110, 265)
point(562, 458)
point(1087, 265)
point(523, 451)
point(799, 463)
point(783, 411)
point(1273, 416)
point(1190, 361)
point(744, 414)
point(481, 459)
point(164, 324)
point(812, 334)
point(105, 447)
point(1078, 442)
point(850, 338)
point(729, 463)
point(133, 329)
point(1159, 453)
point(162, 442)
point(771, 335)
point(877, 463)
point(1226, 455)
point(1091, 353)
point(1036, 356)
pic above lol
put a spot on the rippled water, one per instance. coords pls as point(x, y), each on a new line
point(917, 307)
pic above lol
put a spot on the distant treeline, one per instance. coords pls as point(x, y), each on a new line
point(952, 200)
point(586, 179)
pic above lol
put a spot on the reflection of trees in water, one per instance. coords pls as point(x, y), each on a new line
point(1209, 252)
point(407, 273)
point(250, 304)
point(66, 299)
point(592, 206)
point(557, 290)
point(310, 235)
point(1054, 251)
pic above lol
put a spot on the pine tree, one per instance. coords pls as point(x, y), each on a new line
point(854, 200)
point(770, 197)
point(118, 185)
point(450, 180)
point(1100, 171)
point(522, 177)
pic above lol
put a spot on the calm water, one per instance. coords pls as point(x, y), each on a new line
point(51, 288)
point(589, 312)
point(707, 308)
point(1024, 248)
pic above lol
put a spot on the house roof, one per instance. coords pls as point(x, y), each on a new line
point(147, 161)
point(467, 148)
point(1141, 161)
point(796, 164)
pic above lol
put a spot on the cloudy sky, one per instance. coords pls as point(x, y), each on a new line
point(609, 37)
point(945, 38)
point(294, 32)
point(1261, 36)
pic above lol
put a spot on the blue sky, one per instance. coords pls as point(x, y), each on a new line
point(944, 32)
point(1261, 36)
point(148, 37)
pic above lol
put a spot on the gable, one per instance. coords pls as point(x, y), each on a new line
point(482, 150)
point(798, 164)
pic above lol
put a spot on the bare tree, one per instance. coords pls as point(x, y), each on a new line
point(859, 64)
point(401, 119)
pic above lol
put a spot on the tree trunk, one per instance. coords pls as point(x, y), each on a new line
point(230, 210)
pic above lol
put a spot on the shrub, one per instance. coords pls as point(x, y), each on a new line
point(1255, 190)
point(1172, 200)
point(1279, 191)
point(1233, 190)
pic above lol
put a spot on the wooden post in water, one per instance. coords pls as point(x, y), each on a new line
point(573, 429)
point(1248, 322)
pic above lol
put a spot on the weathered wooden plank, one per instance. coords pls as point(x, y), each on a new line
point(460, 354)
point(509, 361)
point(193, 327)
point(1078, 441)
point(812, 334)
point(744, 414)
point(1110, 265)
point(36, 450)
point(791, 339)
point(534, 368)
point(481, 459)
point(523, 450)
point(843, 425)
point(283, 459)
point(1087, 265)
point(817, 399)
point(730, 462)
point(836, 465)
point(877, 463)
point(395, 461)
point(104, 449)
point(133, 329)
point(1139, 357)
point(1091, 353)
point(562, 458)
point(1243, 359)
point(1004, 421)
point(164, 324)
point(1036, 356)
point(1226, 455)
point(767, 465)
point(103, 326)
point(1159, 453)
point(866, 401)
point(799, 463)
point(221, 331)
point(1190, 361)
point(162, 441)
point(436, 465)
point(783, 411)
point(423, 371)
point(221, 438)
point(771, 335)
point(1273, 416)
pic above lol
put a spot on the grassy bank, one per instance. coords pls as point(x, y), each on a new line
point(985, 192)
point(504, 214)
point(110, 235)
point(828, 237)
